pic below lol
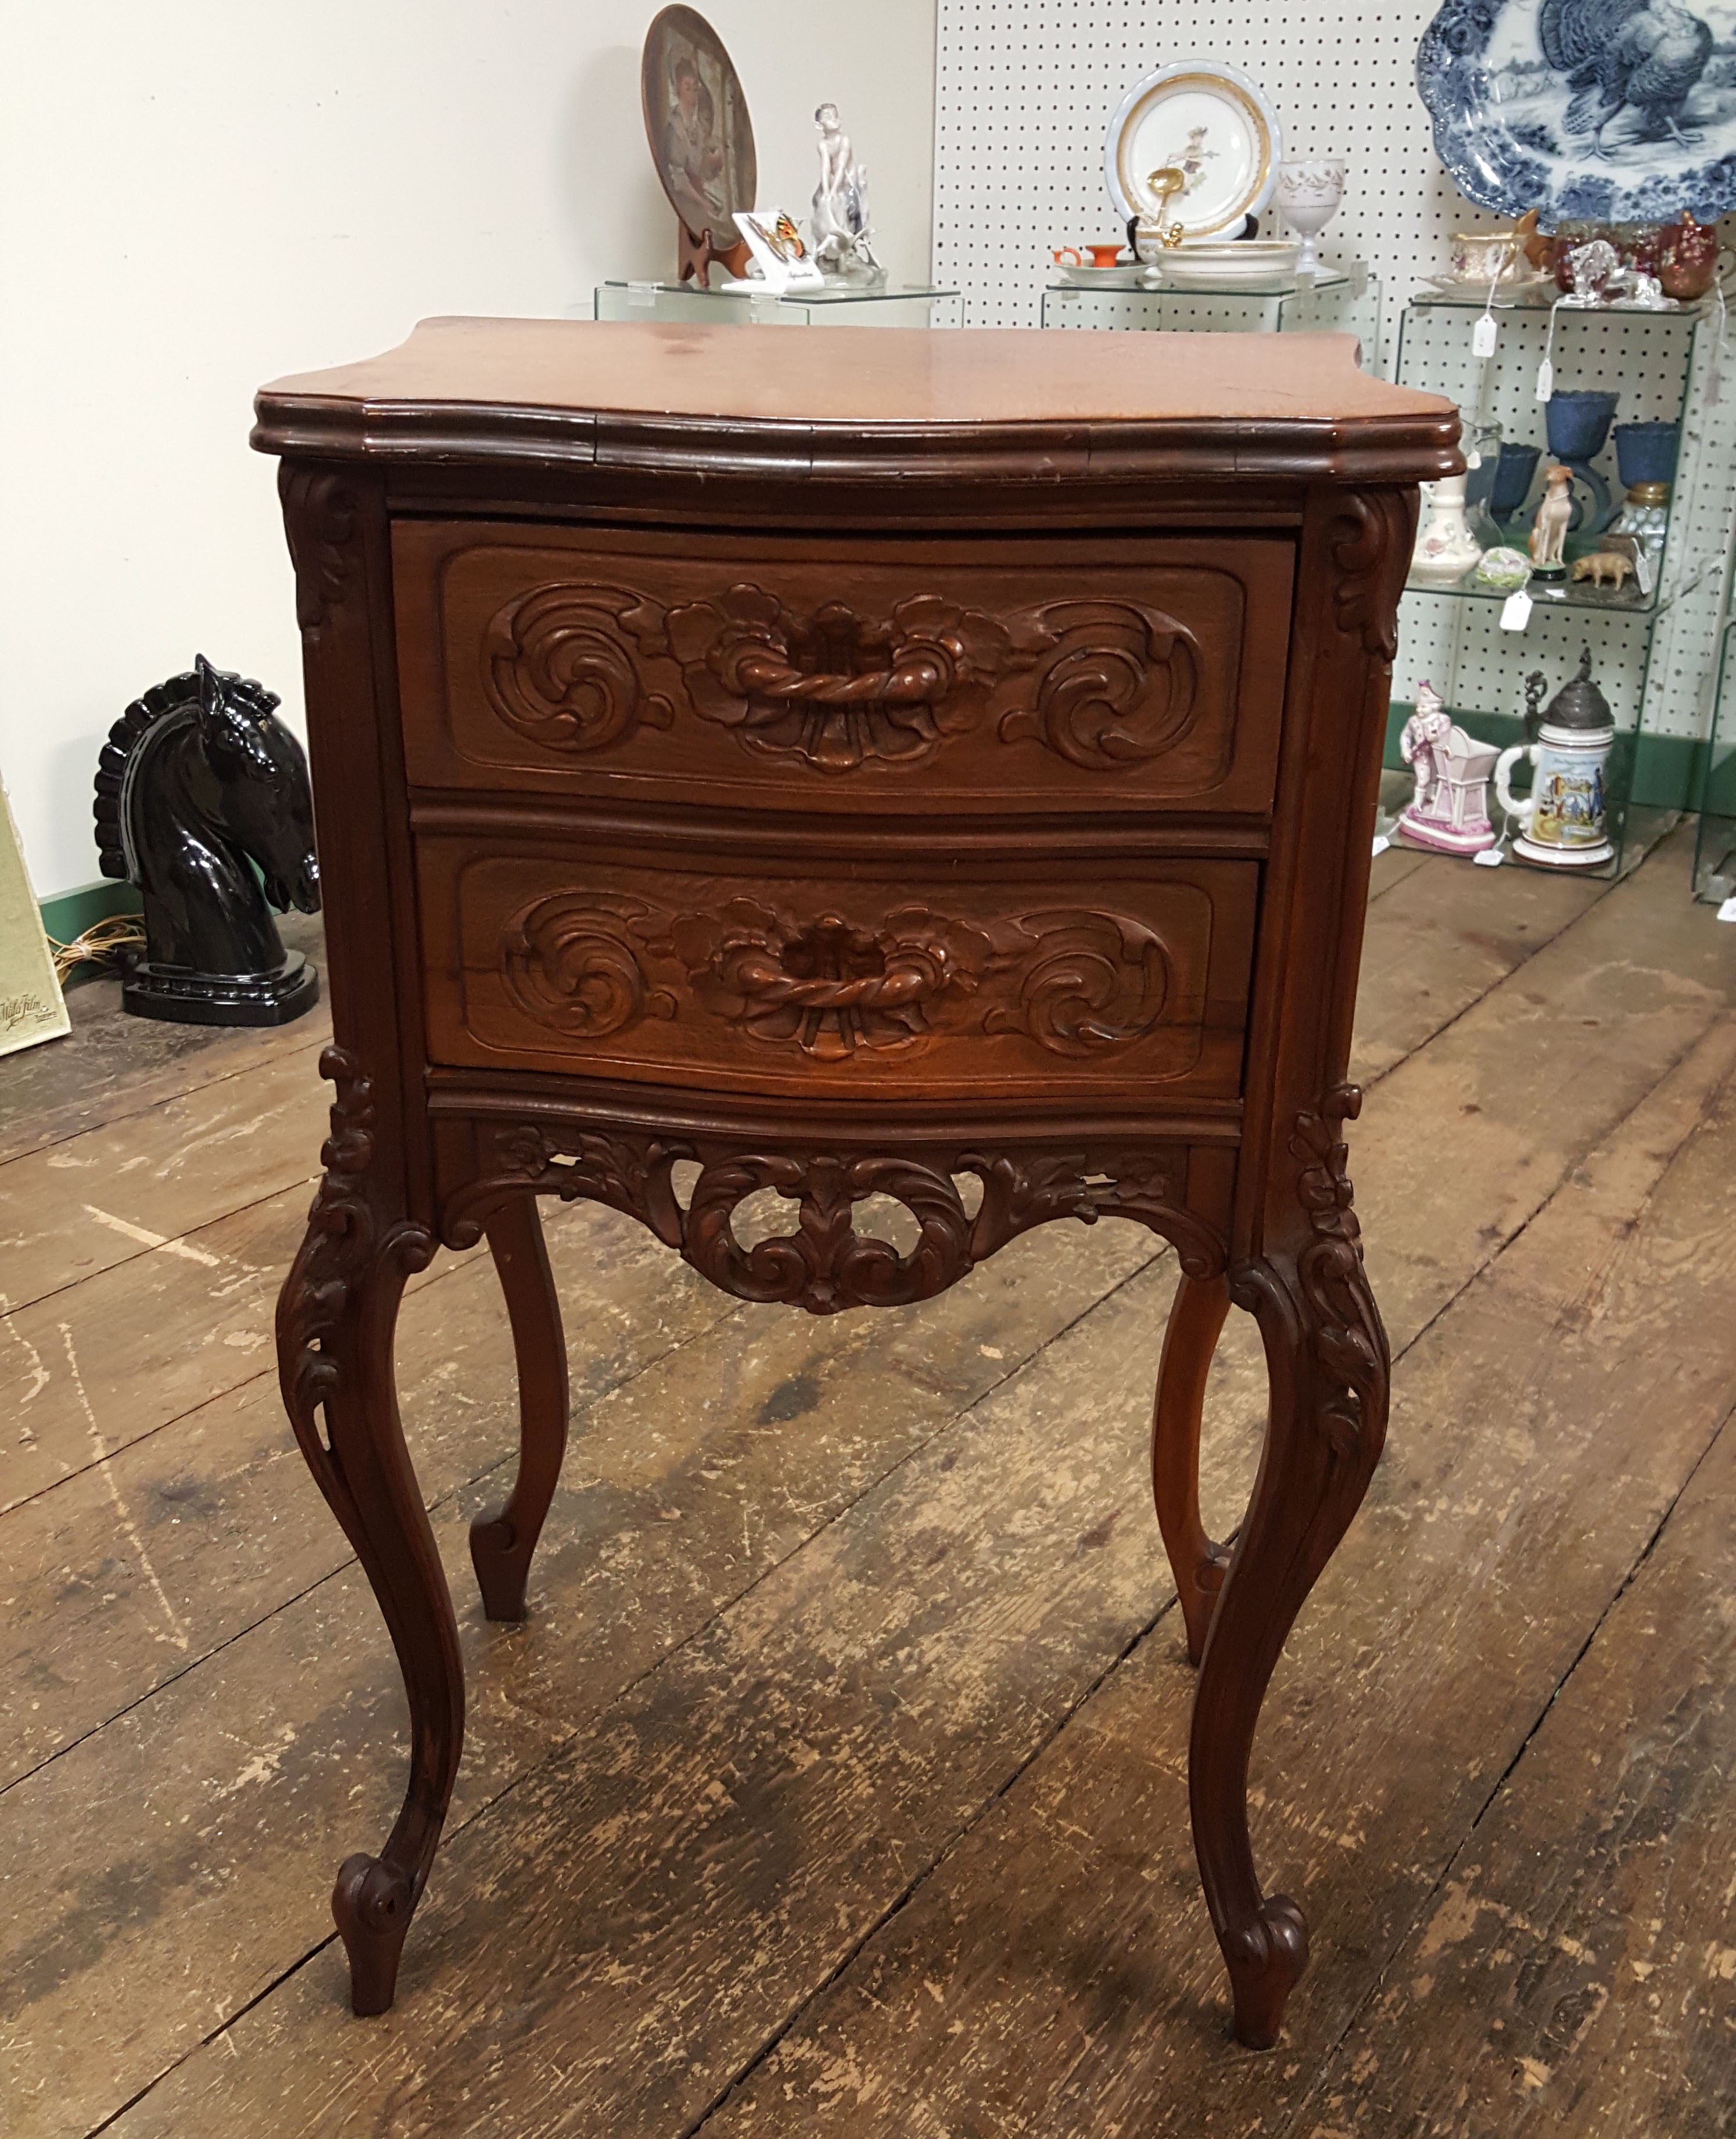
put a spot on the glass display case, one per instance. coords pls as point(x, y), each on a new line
point(888, 304)
point(1653, 637)
point(1346, 302)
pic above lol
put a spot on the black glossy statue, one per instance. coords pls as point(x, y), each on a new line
point(197, 779)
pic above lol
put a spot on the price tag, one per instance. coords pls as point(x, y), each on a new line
point(1382, 843)
point(1727, 912)
point(641, 293)
point(1515, 611)
point(1545, 379)
point(1490, 858)
point(762, 311)
point(1643, 572)
point(1483, 336)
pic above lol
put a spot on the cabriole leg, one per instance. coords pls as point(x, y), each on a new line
point(502, 1543)
point(1326, 1356)
point(335, 1319)
point(1196, 1322)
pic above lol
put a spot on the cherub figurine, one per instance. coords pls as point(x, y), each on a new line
point(1549, 530)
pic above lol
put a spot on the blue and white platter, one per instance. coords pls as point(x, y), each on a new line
point(1604, 110)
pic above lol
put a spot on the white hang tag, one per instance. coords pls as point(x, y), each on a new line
point(1727, 912)
point(1490, 858)
point(1545, 379)
point(1515, 611)
point(641, 293)
point(1642, 571)
point(1483, 335)
point(1382, 843)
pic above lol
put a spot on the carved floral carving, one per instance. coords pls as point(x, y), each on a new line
point(1103, 684)
point(834, 688)
point(822, 1263)
point(1076, 981)
point(1348, 1342)
point(344, 1242)
point(831, 987)
point(557, 667)
point(1371, 546)
point(319, 519)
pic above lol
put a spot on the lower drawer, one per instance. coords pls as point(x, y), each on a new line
point(873, 978)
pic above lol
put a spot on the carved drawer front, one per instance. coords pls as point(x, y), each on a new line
point(874, 980)
point(1067, 672)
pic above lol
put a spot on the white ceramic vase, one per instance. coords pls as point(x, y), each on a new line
point(1307, 196)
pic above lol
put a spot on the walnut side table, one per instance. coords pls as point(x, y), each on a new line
point(941, 769)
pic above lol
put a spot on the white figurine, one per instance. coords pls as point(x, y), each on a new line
point(843, 234)
point(1449, 810)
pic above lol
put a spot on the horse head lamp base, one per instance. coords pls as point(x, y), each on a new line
point(201, 793)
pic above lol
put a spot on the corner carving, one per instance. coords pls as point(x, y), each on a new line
point(344, 1242)
point(824, 1264)
point(1348, 1342)
point(319, 510)
point(1370, 544)
point(1077, 982)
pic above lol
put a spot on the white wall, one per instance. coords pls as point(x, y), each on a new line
point(199, 197)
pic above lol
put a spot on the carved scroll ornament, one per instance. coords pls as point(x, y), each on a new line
point(1103, 684)
point(1345, 1333)
point(345, 1240)
point(1077, 982)
point(823, 1264)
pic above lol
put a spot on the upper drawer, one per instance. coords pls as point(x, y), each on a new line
point(1064, 672)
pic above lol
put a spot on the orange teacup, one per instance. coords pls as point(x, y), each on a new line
point(1074, 256)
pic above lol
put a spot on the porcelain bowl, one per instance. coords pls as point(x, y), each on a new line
point(1253, 261)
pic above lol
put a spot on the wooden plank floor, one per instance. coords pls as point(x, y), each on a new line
point(837, 1782)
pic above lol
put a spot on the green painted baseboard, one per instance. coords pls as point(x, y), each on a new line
point(68, 916)
point(1666, 772)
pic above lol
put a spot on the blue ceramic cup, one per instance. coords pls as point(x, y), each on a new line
point(1511, 485)
point(1645, 452)
point(1578, 422)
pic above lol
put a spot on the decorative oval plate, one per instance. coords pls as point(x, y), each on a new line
point(1206, 120)
point(1608, 111)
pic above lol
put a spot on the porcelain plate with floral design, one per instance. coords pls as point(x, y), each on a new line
point(1608, 111)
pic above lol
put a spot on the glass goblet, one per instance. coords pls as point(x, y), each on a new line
point(1308, 198)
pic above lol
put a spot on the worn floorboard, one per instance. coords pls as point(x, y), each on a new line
point(1576, 1970)
point(819, 1607)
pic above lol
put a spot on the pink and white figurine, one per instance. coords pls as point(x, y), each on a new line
point(1449, 810)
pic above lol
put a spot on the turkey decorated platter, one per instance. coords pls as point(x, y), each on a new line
point(1608, 111)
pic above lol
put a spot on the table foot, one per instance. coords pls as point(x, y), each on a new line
point(1265, 1958)
point(501, 1542)
point(1197, 1316)
point(372, 1905)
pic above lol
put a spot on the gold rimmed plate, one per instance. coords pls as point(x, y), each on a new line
point(1203, 121)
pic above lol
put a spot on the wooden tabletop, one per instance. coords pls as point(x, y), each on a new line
point(543, 389)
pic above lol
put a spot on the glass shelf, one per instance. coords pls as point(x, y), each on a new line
point(1630, 604)
point(1340, 303)
point(885, 305)
point(1473, 297)
point(1651, 655)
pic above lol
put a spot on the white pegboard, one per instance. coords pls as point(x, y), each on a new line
point(1024, 89)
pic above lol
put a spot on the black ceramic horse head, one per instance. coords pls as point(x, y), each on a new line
point(200, 784)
